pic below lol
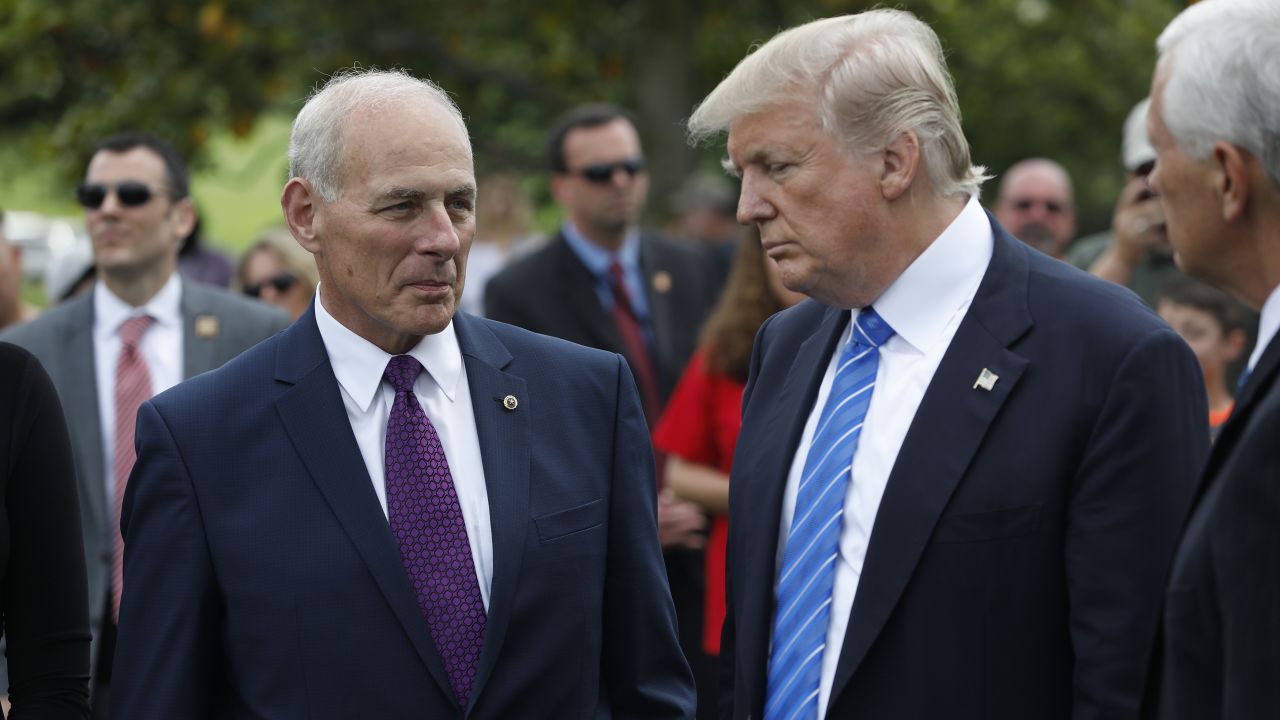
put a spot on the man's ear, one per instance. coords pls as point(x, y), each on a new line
point(1232, 181)
point(558, 189)
point(901, 162)
point(184, 218)
point(299, 204)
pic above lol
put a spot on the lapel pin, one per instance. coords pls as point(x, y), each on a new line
point(986, 380)
point(510, 402)
point(662, 281)
point(207, 326)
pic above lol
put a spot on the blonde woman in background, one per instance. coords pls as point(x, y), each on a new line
point(276, 270)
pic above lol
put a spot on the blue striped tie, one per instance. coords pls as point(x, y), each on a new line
point(809, 562)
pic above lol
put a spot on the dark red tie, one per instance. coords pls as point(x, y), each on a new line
point(634, 344)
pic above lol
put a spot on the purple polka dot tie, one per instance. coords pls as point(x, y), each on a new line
point(426, 520)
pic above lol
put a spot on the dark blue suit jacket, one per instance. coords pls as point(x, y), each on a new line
point(1015, 565)
point(262, 579)
point(1220, 655)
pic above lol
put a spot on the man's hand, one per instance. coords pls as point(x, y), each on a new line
point(1137, 228)
point(680, 524)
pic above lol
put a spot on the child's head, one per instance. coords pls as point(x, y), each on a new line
point(1209, 320)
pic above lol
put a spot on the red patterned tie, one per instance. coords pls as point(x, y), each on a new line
point(634, 344)
point(133, 386)
point(426, 520)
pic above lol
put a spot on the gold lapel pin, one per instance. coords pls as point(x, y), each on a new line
point(207, 326)
point(510, 402)
point(986, 380)
point(662, 281)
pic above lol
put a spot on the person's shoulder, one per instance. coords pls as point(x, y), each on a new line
point(240, 382)
point(14, 360)
point(532, 266)
point(1065, 298)
point(44, 333)
point(530, 347)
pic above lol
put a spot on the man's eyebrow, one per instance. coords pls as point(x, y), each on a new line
point(466, 190)
point(403, 193)
point(729, 167)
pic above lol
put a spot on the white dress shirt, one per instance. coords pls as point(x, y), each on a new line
point(161, 347)
point(924, 306)
point(1268, 325)
point(445, 396)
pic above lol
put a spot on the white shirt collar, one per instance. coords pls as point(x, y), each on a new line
point(358, 364)
point(110, 312)
point(1268, 325)
point(939, 283)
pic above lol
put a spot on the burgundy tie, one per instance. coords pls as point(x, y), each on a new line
point(634, 344)
point(426, 520)
point(133, 386)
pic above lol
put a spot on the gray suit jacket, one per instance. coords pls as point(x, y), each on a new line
point(62, 339)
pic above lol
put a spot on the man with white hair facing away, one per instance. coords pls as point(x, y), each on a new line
point(963, 466)
point(392, 510)
point(1215, 126)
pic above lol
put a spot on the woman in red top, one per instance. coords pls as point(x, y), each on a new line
point(699, 428)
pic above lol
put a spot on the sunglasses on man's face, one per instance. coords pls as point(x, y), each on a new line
point(1052, 206)
point(281, 283)
point(602, 173)
point(130, 193)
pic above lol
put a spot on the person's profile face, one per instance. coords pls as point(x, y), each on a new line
point(819, 209)
point(1185, 194)
point(392, 249)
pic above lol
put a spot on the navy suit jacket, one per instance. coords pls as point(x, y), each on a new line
point(1221, 645)
point(1015, 564)
point(262, 579)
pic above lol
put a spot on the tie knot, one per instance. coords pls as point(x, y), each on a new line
point(131, 330)
point(869, 329)
point(615, 274)
point(402, 371)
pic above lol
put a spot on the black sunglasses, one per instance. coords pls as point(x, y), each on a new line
point(1052, 206)
point(602, 173)
point(281, 283)
point(130, 193)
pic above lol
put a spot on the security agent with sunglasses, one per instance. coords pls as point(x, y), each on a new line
point(604, 282)
point(141, 330)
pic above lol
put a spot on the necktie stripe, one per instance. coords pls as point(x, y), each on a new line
point(809, 513)
point(812, 549)
point(853, 396)
point(829, 450)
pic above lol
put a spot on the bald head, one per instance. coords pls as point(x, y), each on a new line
point(1036, 204)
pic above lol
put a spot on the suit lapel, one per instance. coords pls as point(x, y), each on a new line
point(662, 311)
point(504, 446)
point(1260, 382)
point(579, 288)
point(197, 347)
point(927, 471)
point(315, 420)
point(80, 405)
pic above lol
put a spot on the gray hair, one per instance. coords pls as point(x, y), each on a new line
point(316, 142)
point(877, 75)
point(1222, 59)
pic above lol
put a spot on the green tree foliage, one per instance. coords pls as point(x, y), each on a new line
point(1035, 77)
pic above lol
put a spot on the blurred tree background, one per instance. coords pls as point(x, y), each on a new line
point(1035, 77)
